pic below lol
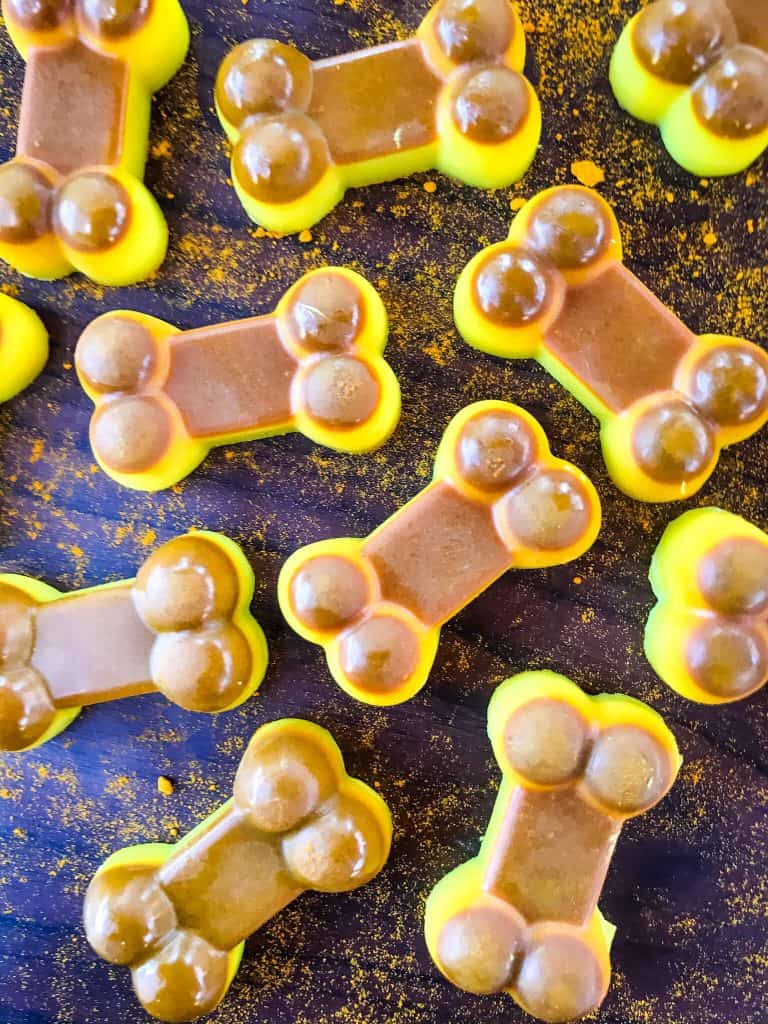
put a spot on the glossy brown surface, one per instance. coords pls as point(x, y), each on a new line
point(262, 76)
point(733, 577)
point(280, 159)
point(340, 391)
point(546, 740)
point(678, 39)
point(474, 30)
point(627, 770)
point(436, 553)
point(328, 592)
point(751, 18)
point(731, 97)
point(490, 104)
point(92, 212)
point(512, 287)
point(672, 442)
point(380, 654)
point(728, 659)
point(550, 511)
point(39, 15)
point(116, 354)
point(478, 947)
point(25, 203)
point(616, 337)
point(730, 385)
point(560, 978)
point(569, 228)
point(131, 434)
point(115, 18)
point(230, 377)
point(376, 102)
point(72, 107)
point(494, 450)
point(326, 314)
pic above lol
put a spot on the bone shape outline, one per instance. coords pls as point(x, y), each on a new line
point(709, 116)
point(482, 122)
point(179, 915)
point(98, 218)
point(153, 425)
point(498, 500)
point(183, 627)
point(555, 290)
point(502, 921)
point(23, 346)
point(707, 635)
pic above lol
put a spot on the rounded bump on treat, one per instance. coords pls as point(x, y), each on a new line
point(473, 30)
point(26, 708)
point(338, 850)
point(512, 287)
point(628, 769)
point(187, 978)
point(25, 203)
point(115, 18)
point(185, 583)
point(672, 442)
point(731, 97)
point(202, 671)
point(328, 592)
point(729, 384)
point(340, 391)
point(478, 947)
point(127, 913)
point(728, 660)
point(570, 227)
point(560, 979)
point(545, 741)
point(116, 353)
point(92, 212)
point(263, 76)
point(17, 627)
point(39, 15)
point(677, 39)
point(494, 449)
point(380, 654)
point(281, 785)
point(733, 577)
point(326, 313)
point(131, 434)
point(280, 159)
point(551, 511)
point(490, 104)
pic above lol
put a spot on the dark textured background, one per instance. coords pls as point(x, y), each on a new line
point(688, 886)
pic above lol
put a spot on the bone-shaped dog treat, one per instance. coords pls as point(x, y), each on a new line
point(708, 635)
point(522, 916)
point(182, 627)
point(165, 397)
point(498, 500)
point(179, 915)
point(73, 196)
point(557, 291)
point(452, 97)
point(699, 70)
point(23, 346)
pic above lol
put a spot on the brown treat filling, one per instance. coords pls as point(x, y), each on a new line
point(560, 979)
point(512, 287)
point(326, 314)
point(677, 39)
point(25, 203)
point(731, 97)
point(569, 228)
point(140, 913)
point(728, 659)
point(491, 104)
point(752, 21)
point(115, 18)
point(477, 949)
point(26, 708)
point(550, 512)
point(474, 31)
point(39, 15)
point(230, 378)
point(92, 212)
point(733, 577)
point(672, 443)
point(494, 450)
point(730, 385)
point(376, 102)
point(628, 770)
point(545, 741)
point(380, 654)
point(328, 592)
point(436, 553)
point(340, 391)
point(131, 434)
point(93, 647)
point(116, 354)
point(263, 76)
point(552, 855)
point(186, 979)
point(72, 107)
point(618, 339)
point(280, 159)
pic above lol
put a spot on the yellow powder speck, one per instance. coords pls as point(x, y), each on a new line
point(517, 203)
point(162, 148)
point(37, 451)
point(751, 226)
point(669, 196)
point(430, 186)
point(20, 833)
point(577, 580)
point(710, 238)
point(164, 785)
point(587, 172)
point(305, 236)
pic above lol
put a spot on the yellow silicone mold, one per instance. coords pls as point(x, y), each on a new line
point(73, 197)
point(165, 397)
point(498, 500)
point(522, 916)
point(707, 637)
point(183, 627)
point(557, 291)
point(699, 70)
point(23, 346)
point(179, 916)
point(452, 97)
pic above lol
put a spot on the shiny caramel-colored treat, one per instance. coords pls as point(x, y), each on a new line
point(179, 916)
point(452, 97)
point(182, 627)
point(73, 197)
point(522, 917)
point(699, 70)
point(558, 291)
point(165, 397)
point(498, 500)
point(707, 637)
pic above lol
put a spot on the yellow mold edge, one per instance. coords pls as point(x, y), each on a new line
point(23, 346)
